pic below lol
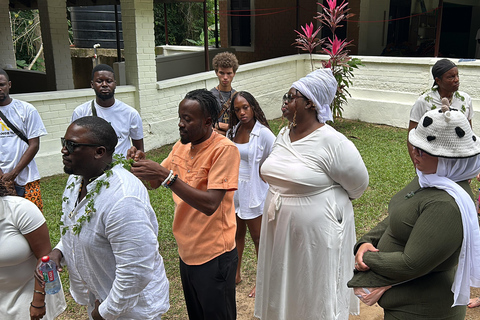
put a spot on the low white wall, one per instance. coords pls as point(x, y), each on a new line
point(385, 89)
point(383, 92)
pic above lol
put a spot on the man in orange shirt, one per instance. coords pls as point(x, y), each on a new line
point(202, 171)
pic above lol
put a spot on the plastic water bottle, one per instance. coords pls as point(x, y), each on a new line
point(50, 275)
point(478, 202)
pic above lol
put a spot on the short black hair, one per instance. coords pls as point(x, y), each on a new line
point(100, 131)
point(3, 72)
point(207, 102)
point(102, 67)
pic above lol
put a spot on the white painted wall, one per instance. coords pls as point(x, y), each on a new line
point(383, 92)
point(385, 89)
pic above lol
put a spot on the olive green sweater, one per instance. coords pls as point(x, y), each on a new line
point(419, 245)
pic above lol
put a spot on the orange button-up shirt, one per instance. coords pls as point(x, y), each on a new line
point(212, 164)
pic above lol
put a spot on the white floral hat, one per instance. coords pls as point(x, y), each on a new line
point(445, 133)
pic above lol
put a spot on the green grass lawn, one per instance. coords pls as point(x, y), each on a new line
point(384, 151)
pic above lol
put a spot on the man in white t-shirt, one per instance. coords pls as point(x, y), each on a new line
point(124, 119)
point(20, 130)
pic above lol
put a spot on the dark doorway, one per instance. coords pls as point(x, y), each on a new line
point(455, 35)
point(398, 29)
point(240, 23)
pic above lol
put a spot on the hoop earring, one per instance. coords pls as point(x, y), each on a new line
point(293, 124)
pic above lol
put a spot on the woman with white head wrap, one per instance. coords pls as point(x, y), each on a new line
point(428, 248)
point(308, 227)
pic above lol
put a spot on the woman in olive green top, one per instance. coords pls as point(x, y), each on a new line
point(432, 227)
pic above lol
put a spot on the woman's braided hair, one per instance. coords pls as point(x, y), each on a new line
point(258, 114)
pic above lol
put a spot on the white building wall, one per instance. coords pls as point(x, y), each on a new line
point(383, 92)
point(385, 89)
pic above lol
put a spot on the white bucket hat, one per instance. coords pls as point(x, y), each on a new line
point(445, 133)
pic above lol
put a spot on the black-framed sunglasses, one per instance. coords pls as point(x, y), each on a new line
point(420, 151)
point(288, 97)
point(70, 145)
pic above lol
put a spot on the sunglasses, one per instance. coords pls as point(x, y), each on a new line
point(70, 145)
point(420, 151)
point(288, 97)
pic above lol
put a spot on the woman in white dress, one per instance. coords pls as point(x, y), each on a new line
point(308, 230)
point(24, 240)
point(254, 139)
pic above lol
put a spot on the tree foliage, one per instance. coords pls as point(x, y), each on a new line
point(27, 38)
point(184, 22)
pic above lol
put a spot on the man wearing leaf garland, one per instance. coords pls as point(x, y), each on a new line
point(109, 230)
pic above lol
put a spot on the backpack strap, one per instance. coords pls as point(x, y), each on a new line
point(226, 104)
point(94, 110)
point(14, 129)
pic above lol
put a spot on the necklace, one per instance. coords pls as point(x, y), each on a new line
point(91, 195)
point(412, 193)
point(224, 105)
point(223, 101)
point(79, 193)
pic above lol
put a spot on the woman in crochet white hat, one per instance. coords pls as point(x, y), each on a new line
point(428, 248)
point(308, 228)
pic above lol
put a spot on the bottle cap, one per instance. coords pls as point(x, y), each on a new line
point(45, 258)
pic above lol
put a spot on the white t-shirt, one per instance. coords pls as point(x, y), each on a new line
point(18, 217)
point(26, 118)
point(124, 119)
point(431, 100)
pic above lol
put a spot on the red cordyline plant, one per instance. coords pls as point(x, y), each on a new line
point(340, 62)
point(308, 41)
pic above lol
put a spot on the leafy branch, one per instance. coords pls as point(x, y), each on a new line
point(93, 194)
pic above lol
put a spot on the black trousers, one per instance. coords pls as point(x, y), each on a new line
point(209, 288)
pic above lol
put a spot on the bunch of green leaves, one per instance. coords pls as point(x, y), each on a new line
point(201, 39)
point(99, 184)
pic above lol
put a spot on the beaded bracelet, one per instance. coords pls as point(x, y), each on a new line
point(164, 183)
point(171, 181)
point(37, 307)
point(41, 292)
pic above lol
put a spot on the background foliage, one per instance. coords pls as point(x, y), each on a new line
point(184, 22)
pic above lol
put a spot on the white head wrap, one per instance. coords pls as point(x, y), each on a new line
point(450, 171)
point(320, 87)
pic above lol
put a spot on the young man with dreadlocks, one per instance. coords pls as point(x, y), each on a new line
point(202, 171)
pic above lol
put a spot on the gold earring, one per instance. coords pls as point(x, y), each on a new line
point(294, 124)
